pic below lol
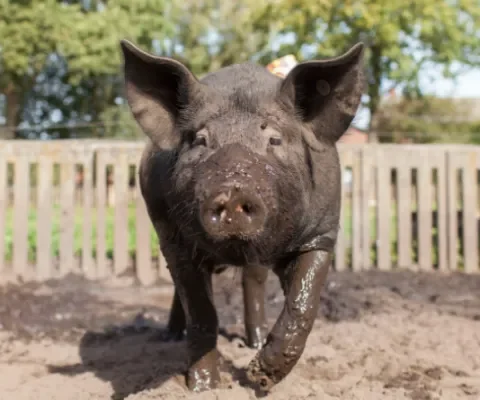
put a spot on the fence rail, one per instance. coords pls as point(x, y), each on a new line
point(408, 206)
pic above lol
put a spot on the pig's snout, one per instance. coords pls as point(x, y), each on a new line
point(234, 211)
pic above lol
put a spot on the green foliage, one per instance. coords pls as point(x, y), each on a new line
point(211, 34)
point(118, 122)
point(93, 49)
point(428, 119)
point(86, 39)
point(29, 32)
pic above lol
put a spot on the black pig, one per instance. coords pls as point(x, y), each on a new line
point(242, 169)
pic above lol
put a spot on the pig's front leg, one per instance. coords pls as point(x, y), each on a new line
point(302, 282)
point(253, 283)
point(194, 287)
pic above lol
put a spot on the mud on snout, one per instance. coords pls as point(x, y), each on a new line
point(235, 192)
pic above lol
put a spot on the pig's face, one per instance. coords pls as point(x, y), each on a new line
point(243, 191)
point(243, 177)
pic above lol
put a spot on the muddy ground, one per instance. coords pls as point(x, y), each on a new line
point(398, 335)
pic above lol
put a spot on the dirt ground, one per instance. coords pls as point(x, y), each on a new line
point(379, 335)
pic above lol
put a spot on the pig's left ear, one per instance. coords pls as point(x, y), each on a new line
point(157, 89)
point(326, 93)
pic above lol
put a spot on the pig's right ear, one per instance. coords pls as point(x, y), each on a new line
point(156, 89)
point(326, 93)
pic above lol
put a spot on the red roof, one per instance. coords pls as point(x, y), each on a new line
point(354, 136)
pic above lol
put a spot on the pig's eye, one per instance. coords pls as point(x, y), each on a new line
point(275, 141)
point(200, 140)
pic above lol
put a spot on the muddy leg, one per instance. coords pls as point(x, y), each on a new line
point(194, 287)
point(303, 282)
point(176, 322)
point(253, 283)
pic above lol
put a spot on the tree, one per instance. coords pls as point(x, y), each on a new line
point(428, 119)
point(211, 34)
point(401, 37)
point(22, 53)
point(70, 45)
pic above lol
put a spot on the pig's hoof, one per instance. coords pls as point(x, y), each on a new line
point(202, 379)
point(257, 375)
point(256, 337)
point(255, 342)
point(168, 335)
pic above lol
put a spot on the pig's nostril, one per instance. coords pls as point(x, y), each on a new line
point(247, 208)
point(219, 213)
point(219, 210)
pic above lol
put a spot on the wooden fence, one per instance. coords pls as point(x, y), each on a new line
point(408, 206)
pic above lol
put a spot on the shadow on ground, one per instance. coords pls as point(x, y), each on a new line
point(116, 328)
point(133, 359)
point(64, 309)
point(129, 358)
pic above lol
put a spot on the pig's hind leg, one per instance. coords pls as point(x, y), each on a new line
point(175, 330)
point(253, 285)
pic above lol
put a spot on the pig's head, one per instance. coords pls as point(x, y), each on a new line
point(244, 179)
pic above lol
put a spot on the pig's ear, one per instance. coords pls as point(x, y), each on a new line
point(157, 88)
point(326, 93)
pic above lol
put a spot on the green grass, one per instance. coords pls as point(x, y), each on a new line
point(78, 233)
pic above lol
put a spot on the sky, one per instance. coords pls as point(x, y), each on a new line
point(467, 85)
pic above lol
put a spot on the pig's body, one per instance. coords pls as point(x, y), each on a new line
point(241, 171)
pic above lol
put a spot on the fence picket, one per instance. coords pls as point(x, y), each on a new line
point(67, 218)
point(404, 209)
point(424, 212)
point(341, 245)
point(452, 211)
point(120, 240)
point(384, 208)
point(101, 189)
point(146, 271)
point(356, 211)
point(442, 212)
point(470, 215)
point(366, 193)
point(3, 209)
point(20, 215)
point(44, 218)
point(88, 265)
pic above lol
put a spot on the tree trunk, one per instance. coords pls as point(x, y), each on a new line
point(373, 136)
point(374, 91)
point(12, 114)
point(373, 133)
